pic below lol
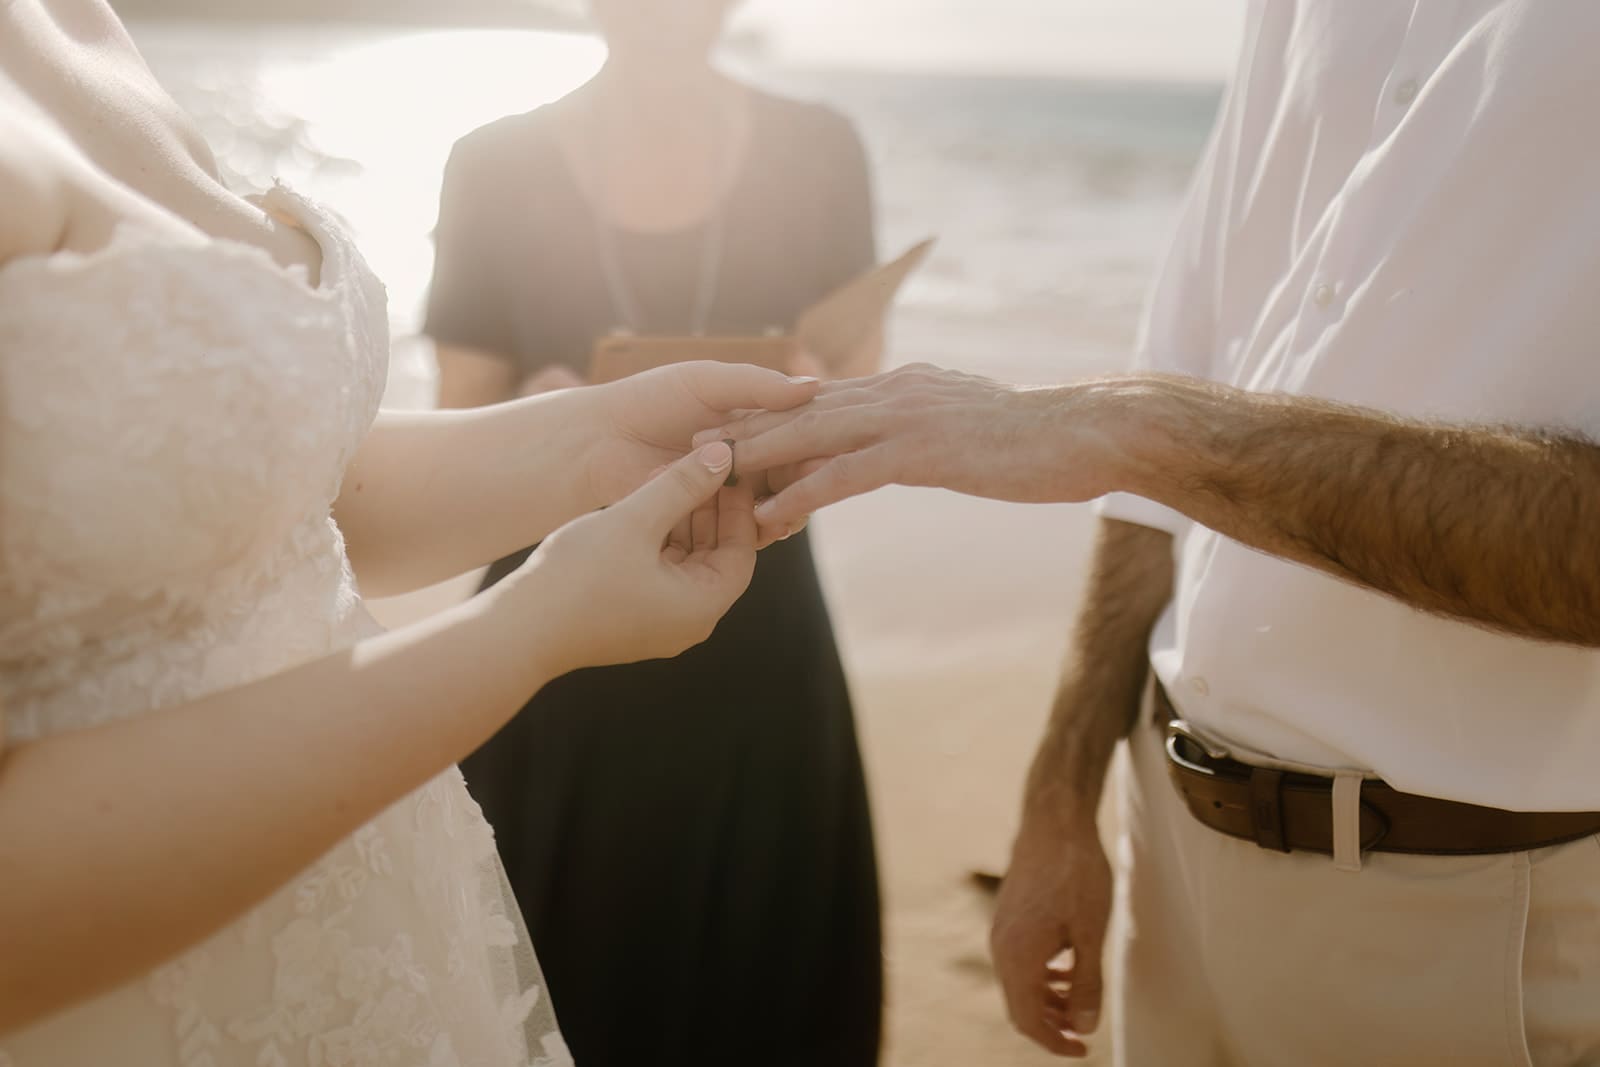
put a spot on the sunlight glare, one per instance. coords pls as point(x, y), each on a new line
point(397, 104)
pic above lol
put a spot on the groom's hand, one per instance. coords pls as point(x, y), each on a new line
point(1049, 931)
point(924, 426)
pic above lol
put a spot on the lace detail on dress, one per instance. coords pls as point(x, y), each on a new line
point(350, 996)
point(175, 420)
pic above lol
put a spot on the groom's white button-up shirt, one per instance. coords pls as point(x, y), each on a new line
point(1400, 209)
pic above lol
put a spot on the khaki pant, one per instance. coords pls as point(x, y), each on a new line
point(1225, 955)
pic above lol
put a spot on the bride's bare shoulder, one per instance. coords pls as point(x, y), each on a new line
point(32, 204)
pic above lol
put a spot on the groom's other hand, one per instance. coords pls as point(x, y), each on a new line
point(1055, 903)
point(1049, 931)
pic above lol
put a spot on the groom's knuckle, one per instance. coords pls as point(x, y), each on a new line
point(842, 471)
point(906, 402)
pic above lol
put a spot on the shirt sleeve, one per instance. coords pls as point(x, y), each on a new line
point(1178, 331)
point(466, 304)
point(1175, 334)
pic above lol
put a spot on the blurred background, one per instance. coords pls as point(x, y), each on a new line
point(1047, 143)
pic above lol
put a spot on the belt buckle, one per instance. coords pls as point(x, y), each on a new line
point(1179, 730)
point(1265, 784)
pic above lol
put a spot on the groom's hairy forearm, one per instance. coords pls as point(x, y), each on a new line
point(1098, 698)
point(1494, 526)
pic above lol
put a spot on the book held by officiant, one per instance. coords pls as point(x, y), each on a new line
point(831, 330)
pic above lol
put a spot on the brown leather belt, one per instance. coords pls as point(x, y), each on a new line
point(1285, 811)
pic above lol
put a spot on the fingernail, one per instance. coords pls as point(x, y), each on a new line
point(1084, 1022)
point(717, 457)
point(765, 510)
point(804, 380)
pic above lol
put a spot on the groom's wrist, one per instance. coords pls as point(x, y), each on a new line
point(1118, 435)
point(1065, 782)
point(1154, 432)
point(1061, 805)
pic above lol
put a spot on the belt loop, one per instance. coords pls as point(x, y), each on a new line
point(1266, 808)
point(1347, 821)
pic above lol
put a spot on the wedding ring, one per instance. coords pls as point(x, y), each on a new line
point(733, 466)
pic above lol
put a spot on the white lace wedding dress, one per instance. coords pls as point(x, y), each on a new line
point(175, 419)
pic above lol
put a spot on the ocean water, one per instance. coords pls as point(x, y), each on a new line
point(1052, 199)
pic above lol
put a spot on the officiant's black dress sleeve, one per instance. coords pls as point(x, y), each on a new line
point(689, 840)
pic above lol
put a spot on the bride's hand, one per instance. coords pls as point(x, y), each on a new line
point(648, 577)
point(648, 419)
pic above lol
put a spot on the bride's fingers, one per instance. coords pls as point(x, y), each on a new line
point(703, 526)
point(726, 386)
point(665, 502)
point(841, 477)
point(829, 389)
point(742, 426)
point(736, 532)
point(681, 539)
point(745, 427)
point(812, 435)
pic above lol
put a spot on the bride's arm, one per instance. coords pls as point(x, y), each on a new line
point(123, 844)
point(431, 495)
point(434, 494)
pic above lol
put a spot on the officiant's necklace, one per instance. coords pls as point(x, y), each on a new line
point(625, 305)
point(708, 276)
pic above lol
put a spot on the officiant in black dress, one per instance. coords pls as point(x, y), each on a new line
point(689, 840)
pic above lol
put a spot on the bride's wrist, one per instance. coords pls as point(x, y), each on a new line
point(556, 435)
point(587, 417)
point(527, 607)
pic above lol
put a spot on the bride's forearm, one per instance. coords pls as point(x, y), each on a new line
point(124, 844)
point(434, 494)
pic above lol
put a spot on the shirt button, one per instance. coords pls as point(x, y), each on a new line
point(1406, 92)
point(1323, 295)
point(1201, 687)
